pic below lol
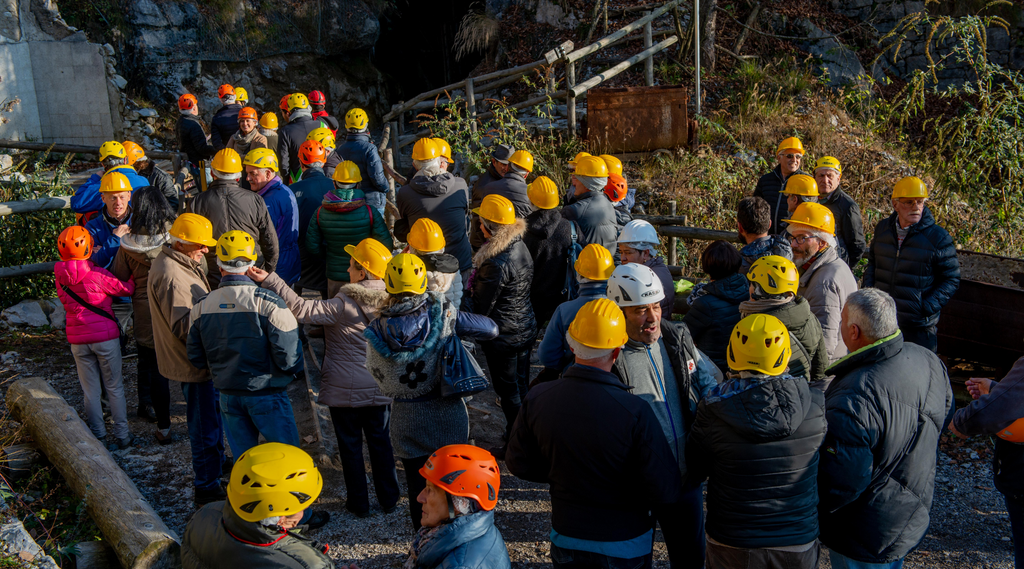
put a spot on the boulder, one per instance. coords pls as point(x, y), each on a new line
point(838, 62)
point(119, 82)
point(147, 113)
point(25, 313)
point(147, 13)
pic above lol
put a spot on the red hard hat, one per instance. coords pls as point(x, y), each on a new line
point(312, 151)
point(467, 471)
point(616, 188)
point(74, 243)
point(225, 89)
point(187, 101)
point(284, 103)
point(317, 98)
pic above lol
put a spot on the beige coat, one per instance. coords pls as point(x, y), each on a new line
point(134, 257)
point(258, 141)
point(176, 282)
point(825, 285)
point(346, 381)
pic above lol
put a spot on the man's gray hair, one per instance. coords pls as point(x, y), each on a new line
point(225, 176)
point(591, 183)
point(585, 352)
point(235, 267)
point(433, 166)
point(874, 311)
point(822, 236)
point(643, 246)
point(521, 171)
point(112, 161)
point(229, 99)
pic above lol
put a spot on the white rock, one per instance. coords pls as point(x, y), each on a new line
point(147, 112)
point(132, 116)
point(148, 129)
point(119, 81)
point(6, 161)
point(25, 313)
point(56, 313)
point(16, 541)
point(108, 49)
point(9, 357)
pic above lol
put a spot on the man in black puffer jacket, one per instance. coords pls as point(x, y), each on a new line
point(292, 135)
point(500, 290)
point(914, 260)
point(885, 409)
point(756, 439)
point(224, 124)
point(497, 169)
point(716, 308)
point(548, 237)
point(769, 187)
point(443, 198)
point(192, 138)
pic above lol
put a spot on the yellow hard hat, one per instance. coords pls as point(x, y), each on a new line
point(775, 274)
point(523, 159)
point(814, 215)
point(261, 158)
point(273, 479)
point(425, 149)
point(579, 155)
point(543, 193)
point(591, 166)
point(759, 342)
point(133, 152)
point(269, 120)
point(828, 162)
point(114, 182)
point(372, 255)
point(595, 263)
point(236, 244)
point(497, 209)
point(227, 161)
point(297, 101)
point(405, 273)
point(241, 95)
point(599, 324)
point(613, 163)
point(426, 236)
point(347, 173)
point(791, 143)
point(323, 136)
point(356, 119)
point(910, 187)
point(445, 149)
point(112, 148)
point(193, 228)
point(801, 185)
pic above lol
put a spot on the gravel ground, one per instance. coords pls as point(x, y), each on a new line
point(969, 526)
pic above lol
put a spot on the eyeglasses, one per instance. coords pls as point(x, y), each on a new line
point(801, 239)
point(793, 156)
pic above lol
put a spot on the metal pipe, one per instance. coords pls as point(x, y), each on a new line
point(613, 71)
point(621, 33)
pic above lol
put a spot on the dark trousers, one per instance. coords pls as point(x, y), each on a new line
point(414, 484)
point(924, 336)
point(722, 557)
point(576, 559)
point(683, 527)
point(351, 424)
point(510, 374)
point(153, 388)
point(1015, 509)
point(205, 432)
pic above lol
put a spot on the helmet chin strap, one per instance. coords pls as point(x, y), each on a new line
point(451, 506)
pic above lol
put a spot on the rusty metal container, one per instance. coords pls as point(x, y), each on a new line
point(984, 321)
point(637, 119)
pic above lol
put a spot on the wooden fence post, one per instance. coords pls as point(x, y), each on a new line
point(649, 62)
point(570, 96)
point(396, 151)
point(471, 104)
point(673, 255)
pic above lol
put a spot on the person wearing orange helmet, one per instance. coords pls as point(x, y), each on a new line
point(997, 410)
point(248, 136)
point(224, 124)
point(617, 191)
point(86, 291)
point(458, 512)
point(191, 133)
point(790, 154)
point(309, 193)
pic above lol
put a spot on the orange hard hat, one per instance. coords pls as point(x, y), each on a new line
point(465, 470)
point(74, 243)
point(247, 113)
point(134, 151)
point(312, 151)
point(225, 89)
point(284, 103)
point(616, 188)
point(1014, 433)
point(187, 101)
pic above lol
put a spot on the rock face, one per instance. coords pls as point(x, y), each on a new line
point(839, 63)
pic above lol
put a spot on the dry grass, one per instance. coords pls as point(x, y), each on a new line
point(477, 32)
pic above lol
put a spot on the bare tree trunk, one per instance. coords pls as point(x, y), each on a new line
point(751, 19)
point(707, 34)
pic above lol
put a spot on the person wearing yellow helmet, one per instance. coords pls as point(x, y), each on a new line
point(292, 135)
point(828, 173)
point(426, 241)
point(111, 224)
point(549, 237)
point(914, 259)
point(268, 128)
point(360, 149)
point(890, 398)
point(496, 170)
point(589, 206)
point(594, 522)
point(825, 280)
point(512, 185)
point(271, 489)
point(790, 154)
point(440, 197)
point(325, 137)
point(784, 436)
point(228, 206)
point(114, 158)
point(264, 179)
point(405, 343)
point(800, 189)
point(224, 124)
point(773, 283)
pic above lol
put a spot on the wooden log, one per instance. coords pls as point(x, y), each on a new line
point(698, 233)
point(621, 33)
point(75, 148)
point(139, 537)
point(41, 204)
point(25, 270)
point(94, 555)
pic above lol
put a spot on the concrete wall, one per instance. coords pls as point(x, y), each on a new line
point(17, 82)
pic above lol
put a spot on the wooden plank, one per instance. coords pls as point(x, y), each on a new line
point(42, 204)
point(129, 524)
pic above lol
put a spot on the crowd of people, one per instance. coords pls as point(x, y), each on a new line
point(810, 408)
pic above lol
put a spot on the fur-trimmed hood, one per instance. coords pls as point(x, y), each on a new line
point(147, 245)
point(499, 242)
point(370, 297)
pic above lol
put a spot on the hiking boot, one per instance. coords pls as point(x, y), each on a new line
point(115, 444)
point(164, 439)
point(203, 497)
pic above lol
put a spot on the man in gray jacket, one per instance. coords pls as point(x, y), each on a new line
point(825, 279)
point(589, 207)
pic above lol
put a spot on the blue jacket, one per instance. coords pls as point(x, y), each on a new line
point(246, 336)
point(87, 196)
point(284, 213)
point(224, 125)
point(360, 149)
point(309, 194)
point(468, 542)
point(101, 228)
point(554, 350)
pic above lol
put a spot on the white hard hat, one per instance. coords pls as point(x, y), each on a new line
point(634, 285)
point(638, 231)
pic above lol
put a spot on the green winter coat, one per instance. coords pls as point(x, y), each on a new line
point(216, 537)
point(344, 222)
point(811, 361)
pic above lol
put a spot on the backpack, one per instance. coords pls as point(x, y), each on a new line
point(571, 290)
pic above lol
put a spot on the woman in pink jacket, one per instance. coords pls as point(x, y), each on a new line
point(93, 331)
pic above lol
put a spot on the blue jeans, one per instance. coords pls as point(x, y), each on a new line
point(1016, 511)
point(246, 417)
point(205, 432)
point(840, 561)
point(576, 559)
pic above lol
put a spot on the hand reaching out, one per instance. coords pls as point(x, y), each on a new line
point(258, 275)
point(978, 386)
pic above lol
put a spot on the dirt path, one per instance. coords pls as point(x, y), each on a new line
point(969, 526)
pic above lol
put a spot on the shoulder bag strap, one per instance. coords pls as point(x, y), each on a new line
point(90, 307)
